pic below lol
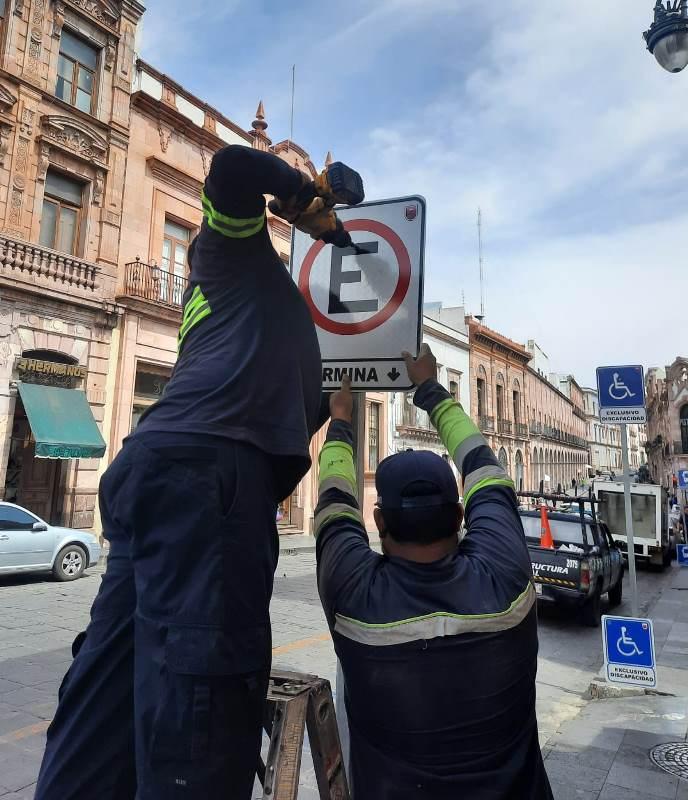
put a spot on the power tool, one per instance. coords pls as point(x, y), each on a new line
point(312, 209)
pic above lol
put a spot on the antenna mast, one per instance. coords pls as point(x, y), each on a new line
point(293, 92)
point(482, 265)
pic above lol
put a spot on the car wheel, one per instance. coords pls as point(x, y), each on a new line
point(616, 593)
point(591, 612)
point(70, 563)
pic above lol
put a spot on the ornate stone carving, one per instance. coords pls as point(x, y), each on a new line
point(98, 188)
point(7, 99)
point(204, 159)
point(16, 202)
point(75, 137)
point(103, 11)
point(38, 9)
point(110, 53)
point(19, 8)
point(43, 162)
point(22, 161)
point(58, 19)
point(27, 118)
point(165, 135)
point(5, 131)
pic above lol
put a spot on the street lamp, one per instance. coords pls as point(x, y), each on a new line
point(667, 38)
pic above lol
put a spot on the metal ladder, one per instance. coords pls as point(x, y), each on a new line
point(297, 702)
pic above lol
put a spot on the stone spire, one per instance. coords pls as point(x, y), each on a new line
point(261, 141)
point(328, 159)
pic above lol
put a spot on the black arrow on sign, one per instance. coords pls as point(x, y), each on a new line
point(394, 374)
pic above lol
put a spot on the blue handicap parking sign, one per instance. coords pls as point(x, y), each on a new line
point(621, 387)
point(683, 479)
point(682, 555)
point(629, 652)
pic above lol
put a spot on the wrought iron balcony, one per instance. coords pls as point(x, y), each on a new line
point(487, 424)
point(504, 426)
point(149, 282)
point(42, 267)
point(521, 430)
point(535, 428)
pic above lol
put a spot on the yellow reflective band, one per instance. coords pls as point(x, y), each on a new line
point(196, 309)
point(233, 227)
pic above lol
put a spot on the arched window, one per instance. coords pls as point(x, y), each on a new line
point(503, 458)
point(499, 388)
point(684, 428)
point(481, 386)
point(519, 471)
point(516, 399)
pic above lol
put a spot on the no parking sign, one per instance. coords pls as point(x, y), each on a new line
point(367, 307)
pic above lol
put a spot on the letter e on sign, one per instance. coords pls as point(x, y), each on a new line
point(366, 302)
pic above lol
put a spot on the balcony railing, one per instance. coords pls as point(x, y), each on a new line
point(487, 424)
point(39, 265)
point(679, 449)
point(504, 426)
point(536, 429)
point(149, 282)
point(521, 430)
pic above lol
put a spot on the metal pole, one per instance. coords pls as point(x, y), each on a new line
point(629, 519)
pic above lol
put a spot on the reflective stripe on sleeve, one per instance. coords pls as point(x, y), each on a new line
point(479, 475)
point(232, 227)
point(432, 626)
point(335, 511)
point(337, 461)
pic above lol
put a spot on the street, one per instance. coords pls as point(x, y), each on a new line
point(41, 617)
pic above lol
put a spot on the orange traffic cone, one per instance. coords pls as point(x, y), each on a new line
point(546, 539)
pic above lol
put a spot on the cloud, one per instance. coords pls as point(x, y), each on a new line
point(552, 118)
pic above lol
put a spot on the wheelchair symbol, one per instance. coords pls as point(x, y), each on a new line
point(618, 389)
point(630, 648)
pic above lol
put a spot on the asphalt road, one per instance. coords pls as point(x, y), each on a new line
point(39, 619)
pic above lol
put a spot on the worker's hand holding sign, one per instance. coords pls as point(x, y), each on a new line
point(342, 402)
point(423, 368)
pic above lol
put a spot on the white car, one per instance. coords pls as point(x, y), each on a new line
point(28, 544)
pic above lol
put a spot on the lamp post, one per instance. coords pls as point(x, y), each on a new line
point(667, 38)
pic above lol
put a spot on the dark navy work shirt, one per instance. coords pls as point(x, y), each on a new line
point(249, 366)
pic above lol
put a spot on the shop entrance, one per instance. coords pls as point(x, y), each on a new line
point(31, 482)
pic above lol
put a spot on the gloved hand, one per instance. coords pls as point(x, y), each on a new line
point(316, 218)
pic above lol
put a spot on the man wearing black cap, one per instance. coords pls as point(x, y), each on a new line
point(437, 638)
point(165, 696)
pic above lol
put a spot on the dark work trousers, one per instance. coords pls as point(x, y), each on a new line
point(164, 699)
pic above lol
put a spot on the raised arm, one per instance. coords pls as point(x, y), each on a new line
point(494, 527)
point(234, 192)
point(342, 549)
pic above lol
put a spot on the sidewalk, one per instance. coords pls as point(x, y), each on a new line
point(295, 543)
point(604, 752)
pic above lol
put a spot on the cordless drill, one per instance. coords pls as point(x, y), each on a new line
point(312, 208)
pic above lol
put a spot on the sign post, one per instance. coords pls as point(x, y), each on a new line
point(367, 305)
point(621, 392)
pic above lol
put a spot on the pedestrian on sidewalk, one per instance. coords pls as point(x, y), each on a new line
point(437, 639)
point(166, 693)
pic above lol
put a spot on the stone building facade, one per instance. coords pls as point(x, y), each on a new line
point(604, 441)
point(667, 421)
point(66, 70)
point(499, 370)
point(559, 447)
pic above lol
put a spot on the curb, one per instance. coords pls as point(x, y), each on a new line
point(601, 690)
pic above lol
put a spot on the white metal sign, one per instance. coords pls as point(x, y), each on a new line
point(367, 307)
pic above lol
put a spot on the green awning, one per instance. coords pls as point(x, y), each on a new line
point(62, 422)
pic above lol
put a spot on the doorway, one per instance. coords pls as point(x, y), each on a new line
point(33, 483)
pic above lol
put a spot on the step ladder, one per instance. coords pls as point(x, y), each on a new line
point(297, 702)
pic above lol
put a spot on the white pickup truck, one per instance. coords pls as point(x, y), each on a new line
point(649, 505)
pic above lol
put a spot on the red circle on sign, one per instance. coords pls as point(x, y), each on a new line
point(397, 298)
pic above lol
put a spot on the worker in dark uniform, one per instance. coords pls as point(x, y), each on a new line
point(165, 696)
point(437, 637)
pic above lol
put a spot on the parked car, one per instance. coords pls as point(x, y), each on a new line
point(584, 564)
point(29, 544)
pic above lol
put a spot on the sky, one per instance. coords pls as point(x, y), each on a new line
point(551, 117)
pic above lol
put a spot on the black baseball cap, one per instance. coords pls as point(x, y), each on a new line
point(415, 479)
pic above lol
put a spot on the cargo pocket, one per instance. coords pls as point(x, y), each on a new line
point(203, 690)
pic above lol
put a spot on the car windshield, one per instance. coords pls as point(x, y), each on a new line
point(563, 532)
